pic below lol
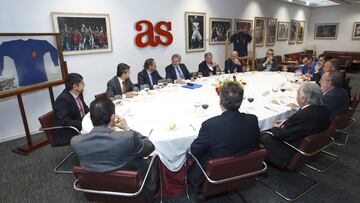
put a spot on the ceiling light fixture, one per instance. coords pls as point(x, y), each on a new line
point(290, 1)
point(307, 3)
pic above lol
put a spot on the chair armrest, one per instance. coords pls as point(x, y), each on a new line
point(60, 127)
point(332, 141)
point(225, 180)
point(125, 194)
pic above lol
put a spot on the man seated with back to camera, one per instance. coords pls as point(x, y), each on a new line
point(105, 149)
point(230, 134)
point(232, 64)
point(121, 83)
point(311, 118)
point(269, 63)
point(208, 66)
point(69, 108)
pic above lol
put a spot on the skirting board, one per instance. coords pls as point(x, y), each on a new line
point(13, 137)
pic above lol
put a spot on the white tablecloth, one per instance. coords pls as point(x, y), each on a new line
point(174, 104)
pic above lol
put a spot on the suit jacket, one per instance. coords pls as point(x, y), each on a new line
point(230, 66)
point(308, 121)
point(67, 113)
point(230, 134)
point(114, 88)
point(105, 150)
point(171, 73)
point(274, 65)
point(143, 77)
point(204, 69)
point(336, 101)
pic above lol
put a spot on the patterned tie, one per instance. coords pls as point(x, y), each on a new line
point(179, 72)
point(82, 111)
point(123, 87)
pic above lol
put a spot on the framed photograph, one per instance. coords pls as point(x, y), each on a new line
point(82, 33)
point(195, 31)
point(356, 31)
point(242, 25)
point(293, 31)
point(326, 30)
point(282, 31)
point(300, 31)
point(218, 29)
point(259, 31)
point(271, 31)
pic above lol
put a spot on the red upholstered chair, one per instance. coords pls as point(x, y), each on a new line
point(341, 122)
point(231, 173)
point(101, 96)
point(47, 125)
point(118, 186)
point(308, 150)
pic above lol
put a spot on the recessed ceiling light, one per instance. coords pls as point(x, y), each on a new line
point(307, 3)
point(289, 0)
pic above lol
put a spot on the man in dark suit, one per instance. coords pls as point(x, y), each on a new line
point(177, 71)
point(335, 98)
point(104, 149)
point(233, 64)
point(208, 67)
point(69, 108)
point(269, 63)
point(230, 134)
point(311, 118)
point(149, 75)
point(121, 83)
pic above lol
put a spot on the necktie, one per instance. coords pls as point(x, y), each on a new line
point(123, 87)
point(82, 111)
point(179, 72)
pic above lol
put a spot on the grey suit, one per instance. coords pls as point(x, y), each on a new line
point(114, 88)
point(104, 150)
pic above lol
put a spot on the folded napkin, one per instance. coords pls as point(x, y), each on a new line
point(193, 86)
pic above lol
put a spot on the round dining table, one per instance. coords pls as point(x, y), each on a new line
point(172, 116)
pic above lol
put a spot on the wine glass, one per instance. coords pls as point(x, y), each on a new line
point(168, 80)
point(222, 70)
point(136, 90)
point(160, 83)
point(218, 72)
point(199, 75)
point(285, 69)
point(205, 106)
point(275, 88)
point(144, 88)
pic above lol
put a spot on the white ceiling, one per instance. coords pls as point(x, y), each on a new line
point(321, 3)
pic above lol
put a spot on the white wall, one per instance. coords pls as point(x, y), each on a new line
point(97, 69)
point(345, 15)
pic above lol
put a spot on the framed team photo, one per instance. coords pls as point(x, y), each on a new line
point(82, 33)
point(271, 31)
point(218, 29)
point(242, 25)
point(293, 31)
point(356, 31)
point(300, 31)
point(260, 25)
point(195, 31)
point(282, 31)
point(326, 30)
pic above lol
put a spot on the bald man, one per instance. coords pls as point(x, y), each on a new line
point(233, 64)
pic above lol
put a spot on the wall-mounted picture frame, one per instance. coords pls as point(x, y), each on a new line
point(243, 25)
point(83, 33)
point(218, 29)
point(326, 30)
point(271, 24)
point(293, 31)
point(283, 31)
point(259, 26)
point(300, 32)
point(356, 31)
point(195, 31)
